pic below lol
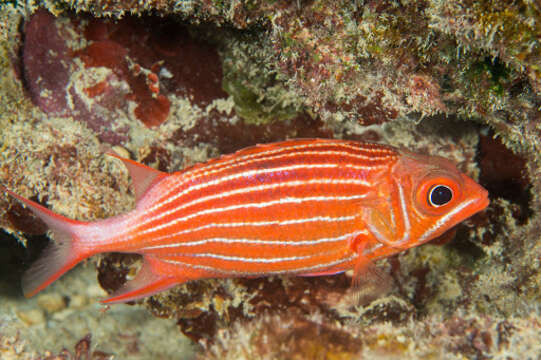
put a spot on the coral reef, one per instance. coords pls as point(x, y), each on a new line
point(172, 83)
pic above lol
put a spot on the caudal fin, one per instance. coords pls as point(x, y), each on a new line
point(60, 255)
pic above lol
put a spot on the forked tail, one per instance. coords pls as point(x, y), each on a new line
point(60, 255)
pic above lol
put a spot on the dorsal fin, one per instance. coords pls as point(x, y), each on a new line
point(142, 176)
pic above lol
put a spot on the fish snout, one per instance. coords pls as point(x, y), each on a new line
point(482, 200)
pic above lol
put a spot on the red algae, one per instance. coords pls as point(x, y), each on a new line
point(104, 53)
point(115, 72)
point(96, 90)
point(145, 61)
point(152, 111)
point(156, 44)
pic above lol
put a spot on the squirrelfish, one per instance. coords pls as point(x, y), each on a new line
point(298, 207)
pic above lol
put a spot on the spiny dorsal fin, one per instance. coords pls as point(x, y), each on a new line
point(142, 176)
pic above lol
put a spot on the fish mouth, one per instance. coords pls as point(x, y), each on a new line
point(481, 202)
point(480, 196)
point(484, 202)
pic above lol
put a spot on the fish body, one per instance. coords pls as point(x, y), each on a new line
point(299, 207)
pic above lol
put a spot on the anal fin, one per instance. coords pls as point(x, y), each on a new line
point(148, 281)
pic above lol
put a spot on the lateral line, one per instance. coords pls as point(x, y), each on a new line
point(256, 223)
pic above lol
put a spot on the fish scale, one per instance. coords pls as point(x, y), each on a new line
point(299, 207)
point(333, 202)
point(271, 176)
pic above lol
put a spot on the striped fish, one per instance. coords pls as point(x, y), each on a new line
point(299, 207)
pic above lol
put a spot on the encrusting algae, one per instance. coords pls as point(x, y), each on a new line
point(454, 79)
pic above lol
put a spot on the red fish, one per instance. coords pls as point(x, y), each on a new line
point(299, 207)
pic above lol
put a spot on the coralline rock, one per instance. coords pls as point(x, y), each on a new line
point(296, 337)
point(45, 63)
point(382, 59)
point(95, 69)
point(117, 76)
point(507, 31)
point(13, 348)
point(455, 79)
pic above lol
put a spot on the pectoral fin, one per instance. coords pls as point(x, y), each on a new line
point(368, 282)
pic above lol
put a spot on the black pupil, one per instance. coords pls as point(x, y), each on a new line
point(440, 195)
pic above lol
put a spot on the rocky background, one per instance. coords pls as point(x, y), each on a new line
point(173, 83)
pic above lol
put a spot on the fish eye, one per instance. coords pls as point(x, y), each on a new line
point(439, 195)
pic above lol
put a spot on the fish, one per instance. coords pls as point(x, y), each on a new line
point(306, 207)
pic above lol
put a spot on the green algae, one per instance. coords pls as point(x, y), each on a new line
point(251, 109)
point(492, 71)
point(259, 94)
